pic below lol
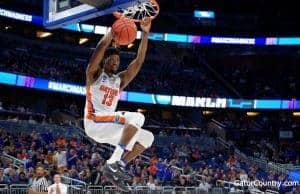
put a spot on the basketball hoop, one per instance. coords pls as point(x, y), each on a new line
point(139, 11)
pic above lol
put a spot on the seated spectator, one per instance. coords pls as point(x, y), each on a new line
point(151, 183)
point(152, 169)
point(61, 159)
point(61, 142)
point(31, 120)
point(49, 158)
point(137, 181)
point(196, 154)
point(13, 176)
point(9, 168)
point(21, 169)
point(22, 178)
point(181, 184)
point(204, 185)
point(22, 155)
point(4, 178)
point(243, 176)
point(72, 158)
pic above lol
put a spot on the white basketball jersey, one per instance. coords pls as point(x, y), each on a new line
point(103, 95)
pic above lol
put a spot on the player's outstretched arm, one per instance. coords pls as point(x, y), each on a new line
point(135, 66)
point(93, 67)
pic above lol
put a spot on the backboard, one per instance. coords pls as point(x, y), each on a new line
point(58, 13)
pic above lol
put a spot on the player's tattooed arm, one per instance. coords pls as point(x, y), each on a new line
point(134, 67)
point(94, 67)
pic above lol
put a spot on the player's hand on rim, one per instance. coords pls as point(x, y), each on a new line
point(146, 25)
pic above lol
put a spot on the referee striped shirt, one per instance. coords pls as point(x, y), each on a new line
point(40, 184)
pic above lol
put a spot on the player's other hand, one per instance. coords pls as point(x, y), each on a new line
point(113, 36)
point(146, 25)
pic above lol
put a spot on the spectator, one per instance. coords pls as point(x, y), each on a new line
point(61, 159)
point(61, 142)
point(151, 183)
point(21, 169)
point(243, 176)
point(31, 120)
point(13, 177)
point(22, 178)
point(95, 157)
point(30, 175)
point(181, 184)
point(72, 158)
point(204, 185)
point(22, 155)
point(196, 154)
point(49, 158)
point(4, 179)
point(29, 163)
point(9, 168)
point(96, 175)
point(137, 181)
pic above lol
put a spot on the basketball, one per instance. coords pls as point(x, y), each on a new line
point(124, 31)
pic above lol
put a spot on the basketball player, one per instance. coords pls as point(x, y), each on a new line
point(102, 123)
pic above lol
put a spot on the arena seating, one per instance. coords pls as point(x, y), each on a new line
point(264, 131)
point(171, 70)
point(161, 73)
point(182, 166)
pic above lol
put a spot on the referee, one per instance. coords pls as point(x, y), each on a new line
point(39, 183)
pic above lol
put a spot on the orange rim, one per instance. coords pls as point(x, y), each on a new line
point(140, 11)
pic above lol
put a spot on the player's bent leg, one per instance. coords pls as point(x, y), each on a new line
point(127, 135)
point(130, 155)
point(145, 138)
point(134, 118)
point(141, 142)
point(131, 134)
point(138, 144)
point(112, 133)
point(114, 166)
point(133, 122)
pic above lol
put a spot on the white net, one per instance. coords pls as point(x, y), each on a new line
point(139, 11)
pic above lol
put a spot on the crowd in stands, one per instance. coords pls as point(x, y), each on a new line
point(238, 128)
point(167, 70)
point(285, 153)
point(186, 165)
point(264, 130)
point(260, 75)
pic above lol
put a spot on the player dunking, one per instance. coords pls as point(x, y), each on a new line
point(101, 121)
